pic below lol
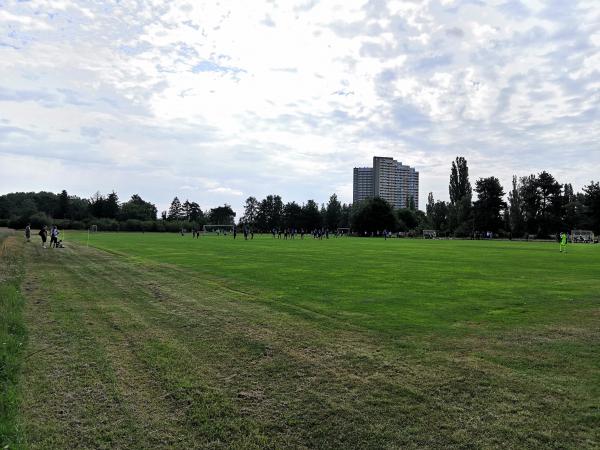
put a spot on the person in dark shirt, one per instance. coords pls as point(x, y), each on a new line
point(44, 235)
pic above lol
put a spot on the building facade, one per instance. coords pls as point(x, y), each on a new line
point(363, 184)
point(388, 179)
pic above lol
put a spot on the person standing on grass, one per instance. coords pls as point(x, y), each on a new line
point(54, 236)
point(28, 232)
point(234, 231)
point(44, 235)
point(563, 242)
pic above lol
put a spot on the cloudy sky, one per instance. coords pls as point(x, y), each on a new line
point(215, 101)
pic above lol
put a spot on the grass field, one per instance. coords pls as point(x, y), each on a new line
point(157, 340)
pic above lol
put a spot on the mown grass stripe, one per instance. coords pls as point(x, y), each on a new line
point(13, 337)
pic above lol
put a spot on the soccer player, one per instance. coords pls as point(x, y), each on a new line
point(28, 232)
point(563, 242)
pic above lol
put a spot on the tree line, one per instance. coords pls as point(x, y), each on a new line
point(538, 206)
point(107, 212)
point(372, 215)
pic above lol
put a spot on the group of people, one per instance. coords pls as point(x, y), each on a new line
point(248, 232)
point(290, 233)
point(43, 233)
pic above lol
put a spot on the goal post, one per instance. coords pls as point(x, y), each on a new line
point(93, 228)
point(217, 229)
point(582, 236)
point(343, 231)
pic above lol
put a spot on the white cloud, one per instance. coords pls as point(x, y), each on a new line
point(228, 99)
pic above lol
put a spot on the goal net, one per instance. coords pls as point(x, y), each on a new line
point(429, 234)
point(343, 231)
point(94, 229)
point(584, 236)
point(219, 230)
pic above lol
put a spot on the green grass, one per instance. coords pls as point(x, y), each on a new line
point(161, 341)
point(12, 339)
point(394, 286)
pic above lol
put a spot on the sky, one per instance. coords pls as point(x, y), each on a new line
point(216, 101)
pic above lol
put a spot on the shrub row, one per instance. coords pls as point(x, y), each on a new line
point(40, 219)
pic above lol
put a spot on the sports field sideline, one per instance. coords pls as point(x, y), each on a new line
point(159, 340)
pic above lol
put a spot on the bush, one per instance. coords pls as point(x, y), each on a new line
point(37, 221)
point(159, 225)
point(106, 224)
point(132, 225)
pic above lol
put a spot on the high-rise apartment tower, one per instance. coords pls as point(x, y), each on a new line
point(389, 179)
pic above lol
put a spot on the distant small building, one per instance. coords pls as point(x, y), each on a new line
point(388, 179)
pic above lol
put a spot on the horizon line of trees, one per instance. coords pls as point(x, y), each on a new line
point(536, 206)
point(18, 209)
point(371, 215)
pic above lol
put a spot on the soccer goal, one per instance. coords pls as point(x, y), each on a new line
point(219, 230)
point(582, 236)
point(343, 231)
point(429, 234)
point(94, 229)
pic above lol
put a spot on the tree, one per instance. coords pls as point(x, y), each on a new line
point(97, 205)
point(550, 192)
point(175, 210)
point(333, 214)
point(222, 215)
point(439, 216)
point(138, 209)
point(373, 215)
point(530, 202)
point(430, 205)
point(345, 217)
point(459, 210)
point(411, 203)
point(270, 213)
point(429, 209)
point(195, 213)
point(79, 208)
point(408, 217)
point(592, 205)
point(311, 217)
point(251, 209)
point(28, 208)
point(489, 204)
point(292, 215)
point(63, 205)
point(460, 186)
point(542, 201)
point(515, 209)
point(111, 206)
point(573, 209)
point(47, 202)
point(185, 207)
